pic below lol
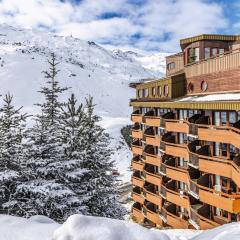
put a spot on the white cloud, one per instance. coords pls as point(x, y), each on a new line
point(160, 23)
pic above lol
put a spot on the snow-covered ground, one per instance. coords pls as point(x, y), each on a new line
point(79, 227)
point(86, 67)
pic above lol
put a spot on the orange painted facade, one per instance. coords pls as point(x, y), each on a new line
point(186, 151)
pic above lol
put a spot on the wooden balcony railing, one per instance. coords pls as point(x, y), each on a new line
point(223, 62)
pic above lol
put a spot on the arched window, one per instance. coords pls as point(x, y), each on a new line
point(140, 93)
point(153, 91)
point(159, 90)
point(166, 90)
point(145, 92)
point(190, 87)
point(204, 86)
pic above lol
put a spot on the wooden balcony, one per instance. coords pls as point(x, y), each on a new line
point(137, 148)
point(153, 121)
point(137, 134)
point(137, 164)
point(176, 196)
point(200, 217)
point(178, 174)
point(152, 214)
point(153, 178)
point(176, 126)
point(216, 165)
point(153, 217)
point(137, 213)
point(152, 196)
point(153, 140)
point(153, 159)
point(228, 202)
point(137, 196)
point(225, 134)
point(223, 62)
point(174, 219)
point(137, 117)
point(137, 180)
point(177, 150)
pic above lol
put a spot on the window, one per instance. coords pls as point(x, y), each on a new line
point(159, 91)
point(196, 54)
point(221, 50)
point(140, 93)
point(170, 65)
point(214, 52)
point(165, 90)
point(232, 117)
point(207, 52)
point(145, 92)
point(204, 86)
point(193, 55)
point(217, 118)
point(153, 91)
point(190, 87)
point(223, 118)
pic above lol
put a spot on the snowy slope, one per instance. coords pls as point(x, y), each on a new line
point(79, 227)
point(85, 66)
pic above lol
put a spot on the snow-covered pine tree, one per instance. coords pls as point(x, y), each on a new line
point(100, 183)
point(74, 121)
point(46, 193)
point(12, 125)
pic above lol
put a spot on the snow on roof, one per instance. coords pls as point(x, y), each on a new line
point(212, 97)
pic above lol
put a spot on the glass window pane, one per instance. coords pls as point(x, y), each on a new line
point(221, 50)
point(223, 117)
point(196, 54)
point(232, 117)
point(216, 118)
point(207, 52)
point(214, 52)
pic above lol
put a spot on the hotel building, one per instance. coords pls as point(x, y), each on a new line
point(186, 138)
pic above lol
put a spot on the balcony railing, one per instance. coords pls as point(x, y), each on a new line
point(163, 214)
point(226, 61)
point(163, 191)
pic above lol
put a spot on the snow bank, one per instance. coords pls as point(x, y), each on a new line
point(79, 227)
point(35, 228)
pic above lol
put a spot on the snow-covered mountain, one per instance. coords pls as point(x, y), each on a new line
point(86, 67)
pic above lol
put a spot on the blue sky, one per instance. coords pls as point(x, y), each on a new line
point(142, 25)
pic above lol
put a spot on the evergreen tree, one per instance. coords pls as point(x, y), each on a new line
point(12, 125)
point(46, 192)
point(99, 181)
point(74, 121)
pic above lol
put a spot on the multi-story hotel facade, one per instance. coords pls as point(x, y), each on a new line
point(186, 138)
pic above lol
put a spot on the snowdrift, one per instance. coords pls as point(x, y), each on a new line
point(79, 227)
point(35, 228)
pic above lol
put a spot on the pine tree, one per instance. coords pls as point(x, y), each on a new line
point(74, 121)
point(46, 192)
point(99, 181)
point(12, 125)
